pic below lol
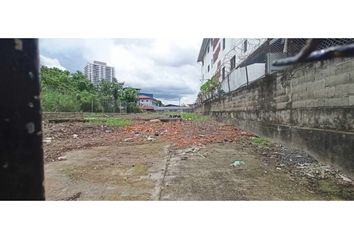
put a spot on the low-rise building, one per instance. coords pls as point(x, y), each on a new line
point(147, 103)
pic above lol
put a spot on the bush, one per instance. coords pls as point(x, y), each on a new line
point(55, 102)
point(69, 92)
point(260, 140)
point(132, 107)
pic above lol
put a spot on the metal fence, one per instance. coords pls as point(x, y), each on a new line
point(258, 63)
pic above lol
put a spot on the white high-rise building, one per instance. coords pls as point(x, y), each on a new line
point(98, 71)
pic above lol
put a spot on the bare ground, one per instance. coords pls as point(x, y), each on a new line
point(128, 172)
point(179, 161)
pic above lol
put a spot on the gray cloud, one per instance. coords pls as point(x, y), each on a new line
point(169, 93)
point(51, 62)
point(133, 41)
point(165, 67)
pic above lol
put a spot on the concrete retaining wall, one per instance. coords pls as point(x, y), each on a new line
point(309, 106)
point(52, 116)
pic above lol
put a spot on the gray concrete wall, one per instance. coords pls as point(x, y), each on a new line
point(50, 116)
point(309, 106)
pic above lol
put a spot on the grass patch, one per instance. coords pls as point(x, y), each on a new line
point(260, 140)
point(194, 117)
point(110, 121)
point(334, 191)
point(190, 116)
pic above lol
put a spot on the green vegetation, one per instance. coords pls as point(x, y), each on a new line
point(190, 116)
point(63, 91)
point(260, 140)
point(210, 85)
point(110, 121)
point(335, 192)
point(194, 117)
point(210, 89)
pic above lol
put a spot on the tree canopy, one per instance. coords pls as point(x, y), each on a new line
point(65, 91)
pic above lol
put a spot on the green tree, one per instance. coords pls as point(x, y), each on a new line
point(110, 94)
point(130, 97)
point(159, 103)
point(65, 91)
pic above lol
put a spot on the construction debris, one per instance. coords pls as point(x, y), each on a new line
point(47, 140)
point(345, 179)
point(155, 120)
point(237, 163)
point(181, 134)
point(61, 158)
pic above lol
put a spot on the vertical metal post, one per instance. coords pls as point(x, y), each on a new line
point(21, 153)
point(285, 49)
point(246, 74)
point(228, 82)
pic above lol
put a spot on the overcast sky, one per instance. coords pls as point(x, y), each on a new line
point(165, 67)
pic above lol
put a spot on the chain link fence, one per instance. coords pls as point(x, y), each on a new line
point(108, 105)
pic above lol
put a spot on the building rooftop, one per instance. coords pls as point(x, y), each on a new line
point(100, 63)
point(144, 97)
point(203, 49)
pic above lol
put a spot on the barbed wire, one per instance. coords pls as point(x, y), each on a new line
point(259, 49)
point(319, 49)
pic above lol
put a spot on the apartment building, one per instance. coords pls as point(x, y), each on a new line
point(98, 71)
point(219, 56)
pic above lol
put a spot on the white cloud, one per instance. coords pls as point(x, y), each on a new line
point(50, 62)
point(165, 67)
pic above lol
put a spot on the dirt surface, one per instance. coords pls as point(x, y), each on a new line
point(207, 174)
point(127, 172)
point(180, 160)
point(63, 137)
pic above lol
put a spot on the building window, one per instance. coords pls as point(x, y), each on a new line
point(233, 62)
point(223, 43)
point(208, 68)
point(223, 73)
point(245, 46)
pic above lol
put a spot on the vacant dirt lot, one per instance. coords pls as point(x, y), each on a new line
point(180, 160)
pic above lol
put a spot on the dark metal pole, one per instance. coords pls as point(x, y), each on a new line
point(21, 153)
point(246, 74)
point(228, 82)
